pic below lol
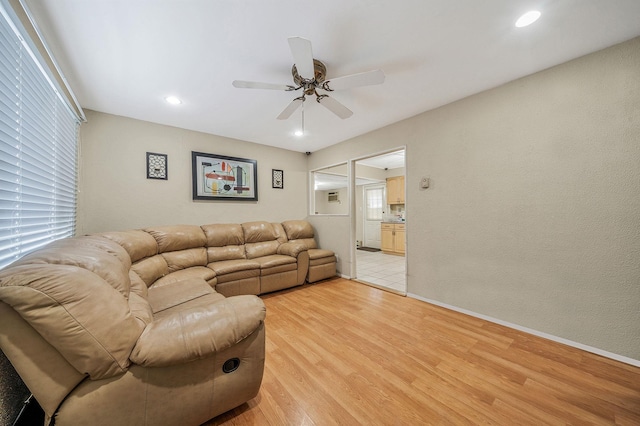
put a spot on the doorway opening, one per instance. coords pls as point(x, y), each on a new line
point(380, 255)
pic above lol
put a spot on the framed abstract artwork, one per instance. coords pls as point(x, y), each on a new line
point(218, 177)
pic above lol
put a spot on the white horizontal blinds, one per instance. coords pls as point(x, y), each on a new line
point(38, 157)
point(374, 203)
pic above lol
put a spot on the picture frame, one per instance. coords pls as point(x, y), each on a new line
point(157, 166)
point(277, 179)
point(223, 178)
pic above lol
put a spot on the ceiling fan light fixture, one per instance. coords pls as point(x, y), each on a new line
point(173, 100)
point(528, 18)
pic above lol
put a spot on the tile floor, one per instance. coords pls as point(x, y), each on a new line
point(382, 270)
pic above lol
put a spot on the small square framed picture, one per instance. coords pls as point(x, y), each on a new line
point(277, 179)
point(157, 166)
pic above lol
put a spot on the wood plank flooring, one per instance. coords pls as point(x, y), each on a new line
point(343, 353)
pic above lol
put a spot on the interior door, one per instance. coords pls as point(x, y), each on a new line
point(373, 209)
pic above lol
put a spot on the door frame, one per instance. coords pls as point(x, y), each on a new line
point(353, 227)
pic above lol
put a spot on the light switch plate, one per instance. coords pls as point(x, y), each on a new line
point(424, 182)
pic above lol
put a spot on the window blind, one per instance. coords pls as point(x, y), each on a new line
point(374, 203)
point(38, 151)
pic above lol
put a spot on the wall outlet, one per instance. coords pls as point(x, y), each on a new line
point(424, 182)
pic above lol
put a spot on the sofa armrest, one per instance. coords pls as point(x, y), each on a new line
point(300, 251)
point(291, 249)
point(198, 332)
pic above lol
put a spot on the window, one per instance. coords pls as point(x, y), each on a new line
point(38, 149)
point(373, 200)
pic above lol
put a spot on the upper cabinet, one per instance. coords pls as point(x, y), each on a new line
point(395, 190)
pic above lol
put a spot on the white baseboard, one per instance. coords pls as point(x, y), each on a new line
point(564, 341)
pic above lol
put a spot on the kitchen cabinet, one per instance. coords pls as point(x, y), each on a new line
point(395, 190)
point(392, 240)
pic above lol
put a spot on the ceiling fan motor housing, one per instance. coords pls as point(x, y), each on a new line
point(320, 73)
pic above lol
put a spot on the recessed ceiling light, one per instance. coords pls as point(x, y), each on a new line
point(173, 100)
point(528, 18)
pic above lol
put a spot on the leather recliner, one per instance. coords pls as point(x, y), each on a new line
point(96, 346)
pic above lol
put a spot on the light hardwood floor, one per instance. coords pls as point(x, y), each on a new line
point(343, 353)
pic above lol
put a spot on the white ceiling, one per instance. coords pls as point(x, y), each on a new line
point(124, 56)
point(392, 160)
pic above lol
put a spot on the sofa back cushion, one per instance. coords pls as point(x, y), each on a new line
point(178, 237)
point(281, 235)
point(217, 254)
point(265, 248)
point(225, 241)
point(300, 231)
point(260, 239)
point(76, 311)
point(151, 268)
point(257, 232)
point(96, 254)
point(137, 243)
point(182, 259)
point(297, 229)
point(223, 234)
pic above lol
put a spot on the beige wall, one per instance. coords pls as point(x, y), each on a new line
point(533, 212)
point(115, 193)
point(323, 206)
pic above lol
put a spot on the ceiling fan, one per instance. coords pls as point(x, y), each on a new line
point(309, 74)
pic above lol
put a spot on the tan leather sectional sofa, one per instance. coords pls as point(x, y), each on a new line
point(160, 326)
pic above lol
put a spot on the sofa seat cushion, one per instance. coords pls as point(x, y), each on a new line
point(225, 267)
point(170, 295)
point(197, 303)
point(200, 272)
point(235, 270)
point(242, 274)
point(275, 260)
point(321, 254)
point(276, 264)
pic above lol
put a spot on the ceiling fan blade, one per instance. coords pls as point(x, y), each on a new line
point(302, 57)
point(335, 107)
point(355, 80)
point(256, 85)
point(290, 109)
